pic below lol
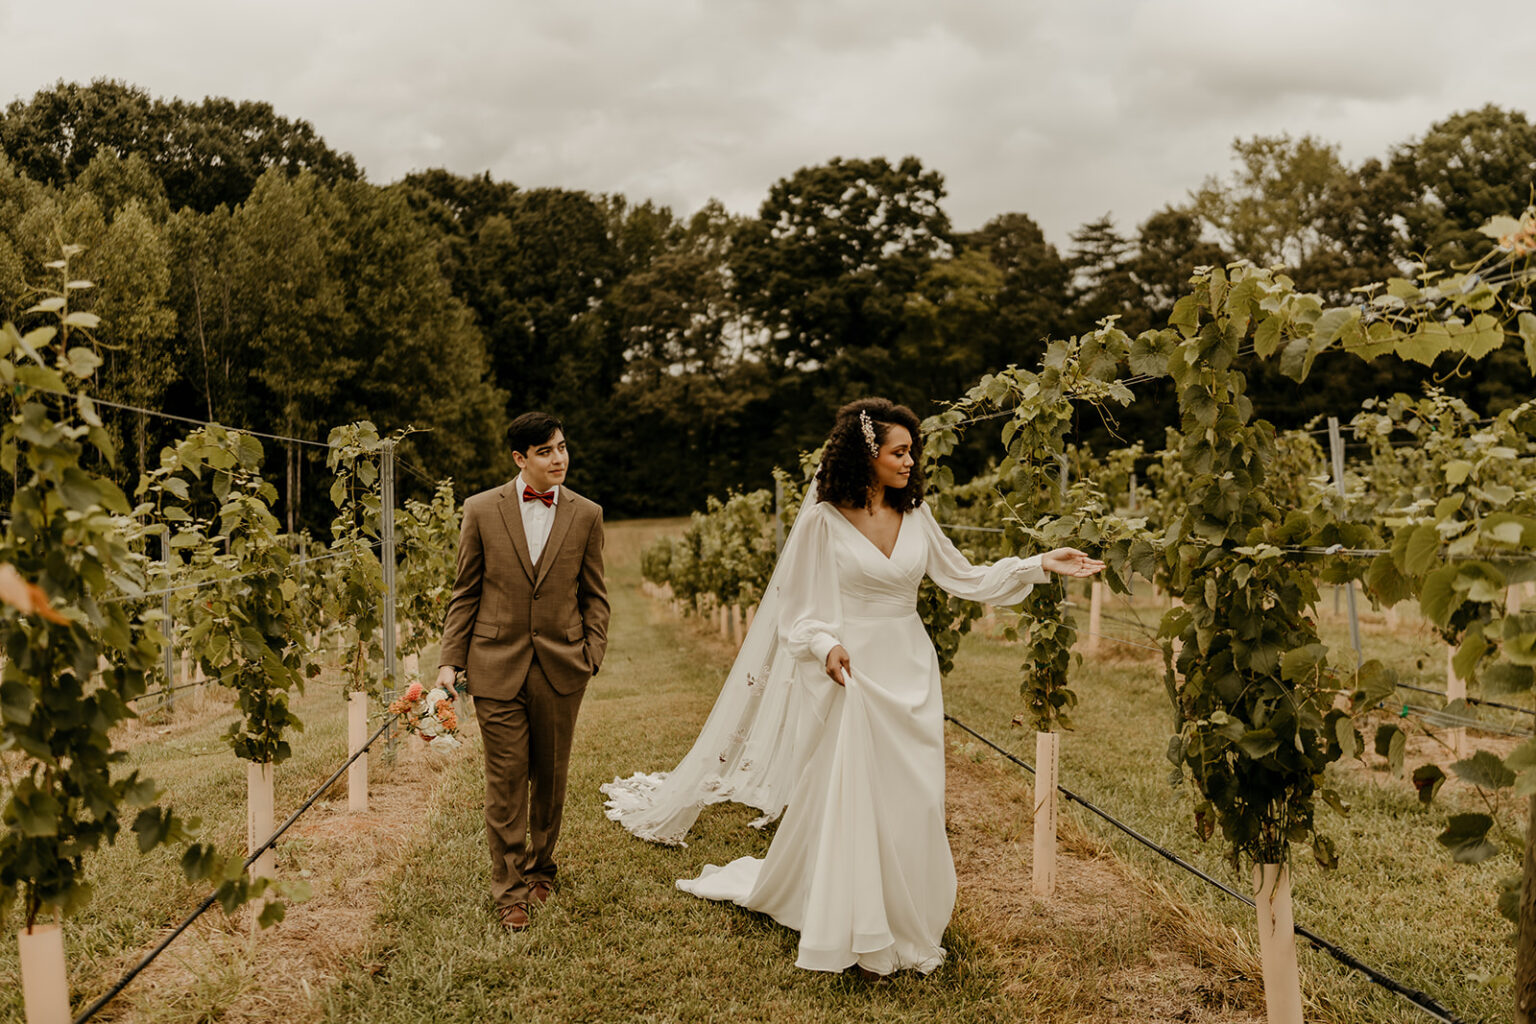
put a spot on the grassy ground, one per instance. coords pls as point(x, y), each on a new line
point(1396, 901)
point(620, 943)
point(401, 927)
point(217, 969)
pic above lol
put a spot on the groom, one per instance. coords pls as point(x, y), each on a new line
point(528, 624)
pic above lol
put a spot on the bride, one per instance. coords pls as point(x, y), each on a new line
point(833, 708)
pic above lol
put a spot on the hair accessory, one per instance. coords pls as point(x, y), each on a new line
point(868, 426)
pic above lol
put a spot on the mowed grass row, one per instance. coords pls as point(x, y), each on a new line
point(135, 897)
point(1397, 900)
point(619, 942)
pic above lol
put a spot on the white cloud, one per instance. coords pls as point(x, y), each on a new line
point(1063, 111)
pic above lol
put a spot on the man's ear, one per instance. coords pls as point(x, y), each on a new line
point(520, 459)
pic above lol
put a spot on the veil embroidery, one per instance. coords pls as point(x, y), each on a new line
point(756, 739)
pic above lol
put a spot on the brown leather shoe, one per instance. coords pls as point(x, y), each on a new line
point(514, 918)
point(541, 891)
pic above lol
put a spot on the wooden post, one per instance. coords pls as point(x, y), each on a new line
point(1277, 943)
point(1455, 689)
point(413, 665)
point(1047, 747)
point(1512, 597)
point(259, 819)
point(1095, 613)
point(1525, 950)
point(751, 616)
point(737, 635)
point(357, 735)
point(723, 617)
point(44, 979)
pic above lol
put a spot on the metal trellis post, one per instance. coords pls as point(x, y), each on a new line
point(167, 627)
point(1336, 445)
point(387, 563)
point(778, 514)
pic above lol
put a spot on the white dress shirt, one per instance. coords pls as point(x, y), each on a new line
point(537, 518)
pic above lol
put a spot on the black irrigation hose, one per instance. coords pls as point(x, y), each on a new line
point(212, 897)
point(1469, 700)
point(1419, 999)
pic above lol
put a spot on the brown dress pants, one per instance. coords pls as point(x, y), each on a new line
point(527, 754)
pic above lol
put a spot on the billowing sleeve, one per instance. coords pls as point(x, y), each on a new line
point(810, 615)
point(1004, 582)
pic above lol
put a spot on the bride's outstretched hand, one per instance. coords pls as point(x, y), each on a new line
point(1070, 562)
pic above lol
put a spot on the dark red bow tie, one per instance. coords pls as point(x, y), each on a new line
point(547, 497)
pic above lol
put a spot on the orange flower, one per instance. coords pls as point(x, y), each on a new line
point(413, 692)
point(29, 597)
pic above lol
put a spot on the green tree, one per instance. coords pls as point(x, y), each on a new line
point(1035, 300)
point(1273, 209)
point(688, 382)
point(420, 359)
point(139, 346)
point(953, 332)
point(207, 154)
point(1103, 284)
point(827, 265)
point(1170, 244)
point(1465, 170)
point(118, 181)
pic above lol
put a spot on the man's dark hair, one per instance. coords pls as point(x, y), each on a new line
point(847, 469)
point(530, 430)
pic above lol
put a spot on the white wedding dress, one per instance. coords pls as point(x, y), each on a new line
point(860, 865)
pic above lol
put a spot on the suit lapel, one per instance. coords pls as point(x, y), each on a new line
point(512, 518)
point(565, 511)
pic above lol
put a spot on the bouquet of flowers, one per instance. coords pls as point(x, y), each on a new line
point(430, 715)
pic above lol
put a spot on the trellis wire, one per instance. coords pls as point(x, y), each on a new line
point(223, 579)
point(166, 689)
point(181, 419)
point(212, 898)
point(1469, 700)
point(1418, 998)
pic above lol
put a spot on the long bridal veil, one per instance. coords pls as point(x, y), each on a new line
point(755, 740)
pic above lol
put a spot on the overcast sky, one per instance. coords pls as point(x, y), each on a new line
point(1063, 110)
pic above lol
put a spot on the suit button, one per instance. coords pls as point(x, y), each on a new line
point(535, 597)
point(535, 632)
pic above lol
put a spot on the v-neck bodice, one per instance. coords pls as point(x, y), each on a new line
point(900, 529)
point(870, 583)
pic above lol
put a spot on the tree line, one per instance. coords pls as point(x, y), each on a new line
point(247, 273)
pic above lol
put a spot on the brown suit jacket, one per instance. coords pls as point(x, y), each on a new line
point(505, 610)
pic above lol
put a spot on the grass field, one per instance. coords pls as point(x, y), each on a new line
point(1397, 901)
point(400, 927)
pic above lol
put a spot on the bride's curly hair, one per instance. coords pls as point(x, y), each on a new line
point(847, 470)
